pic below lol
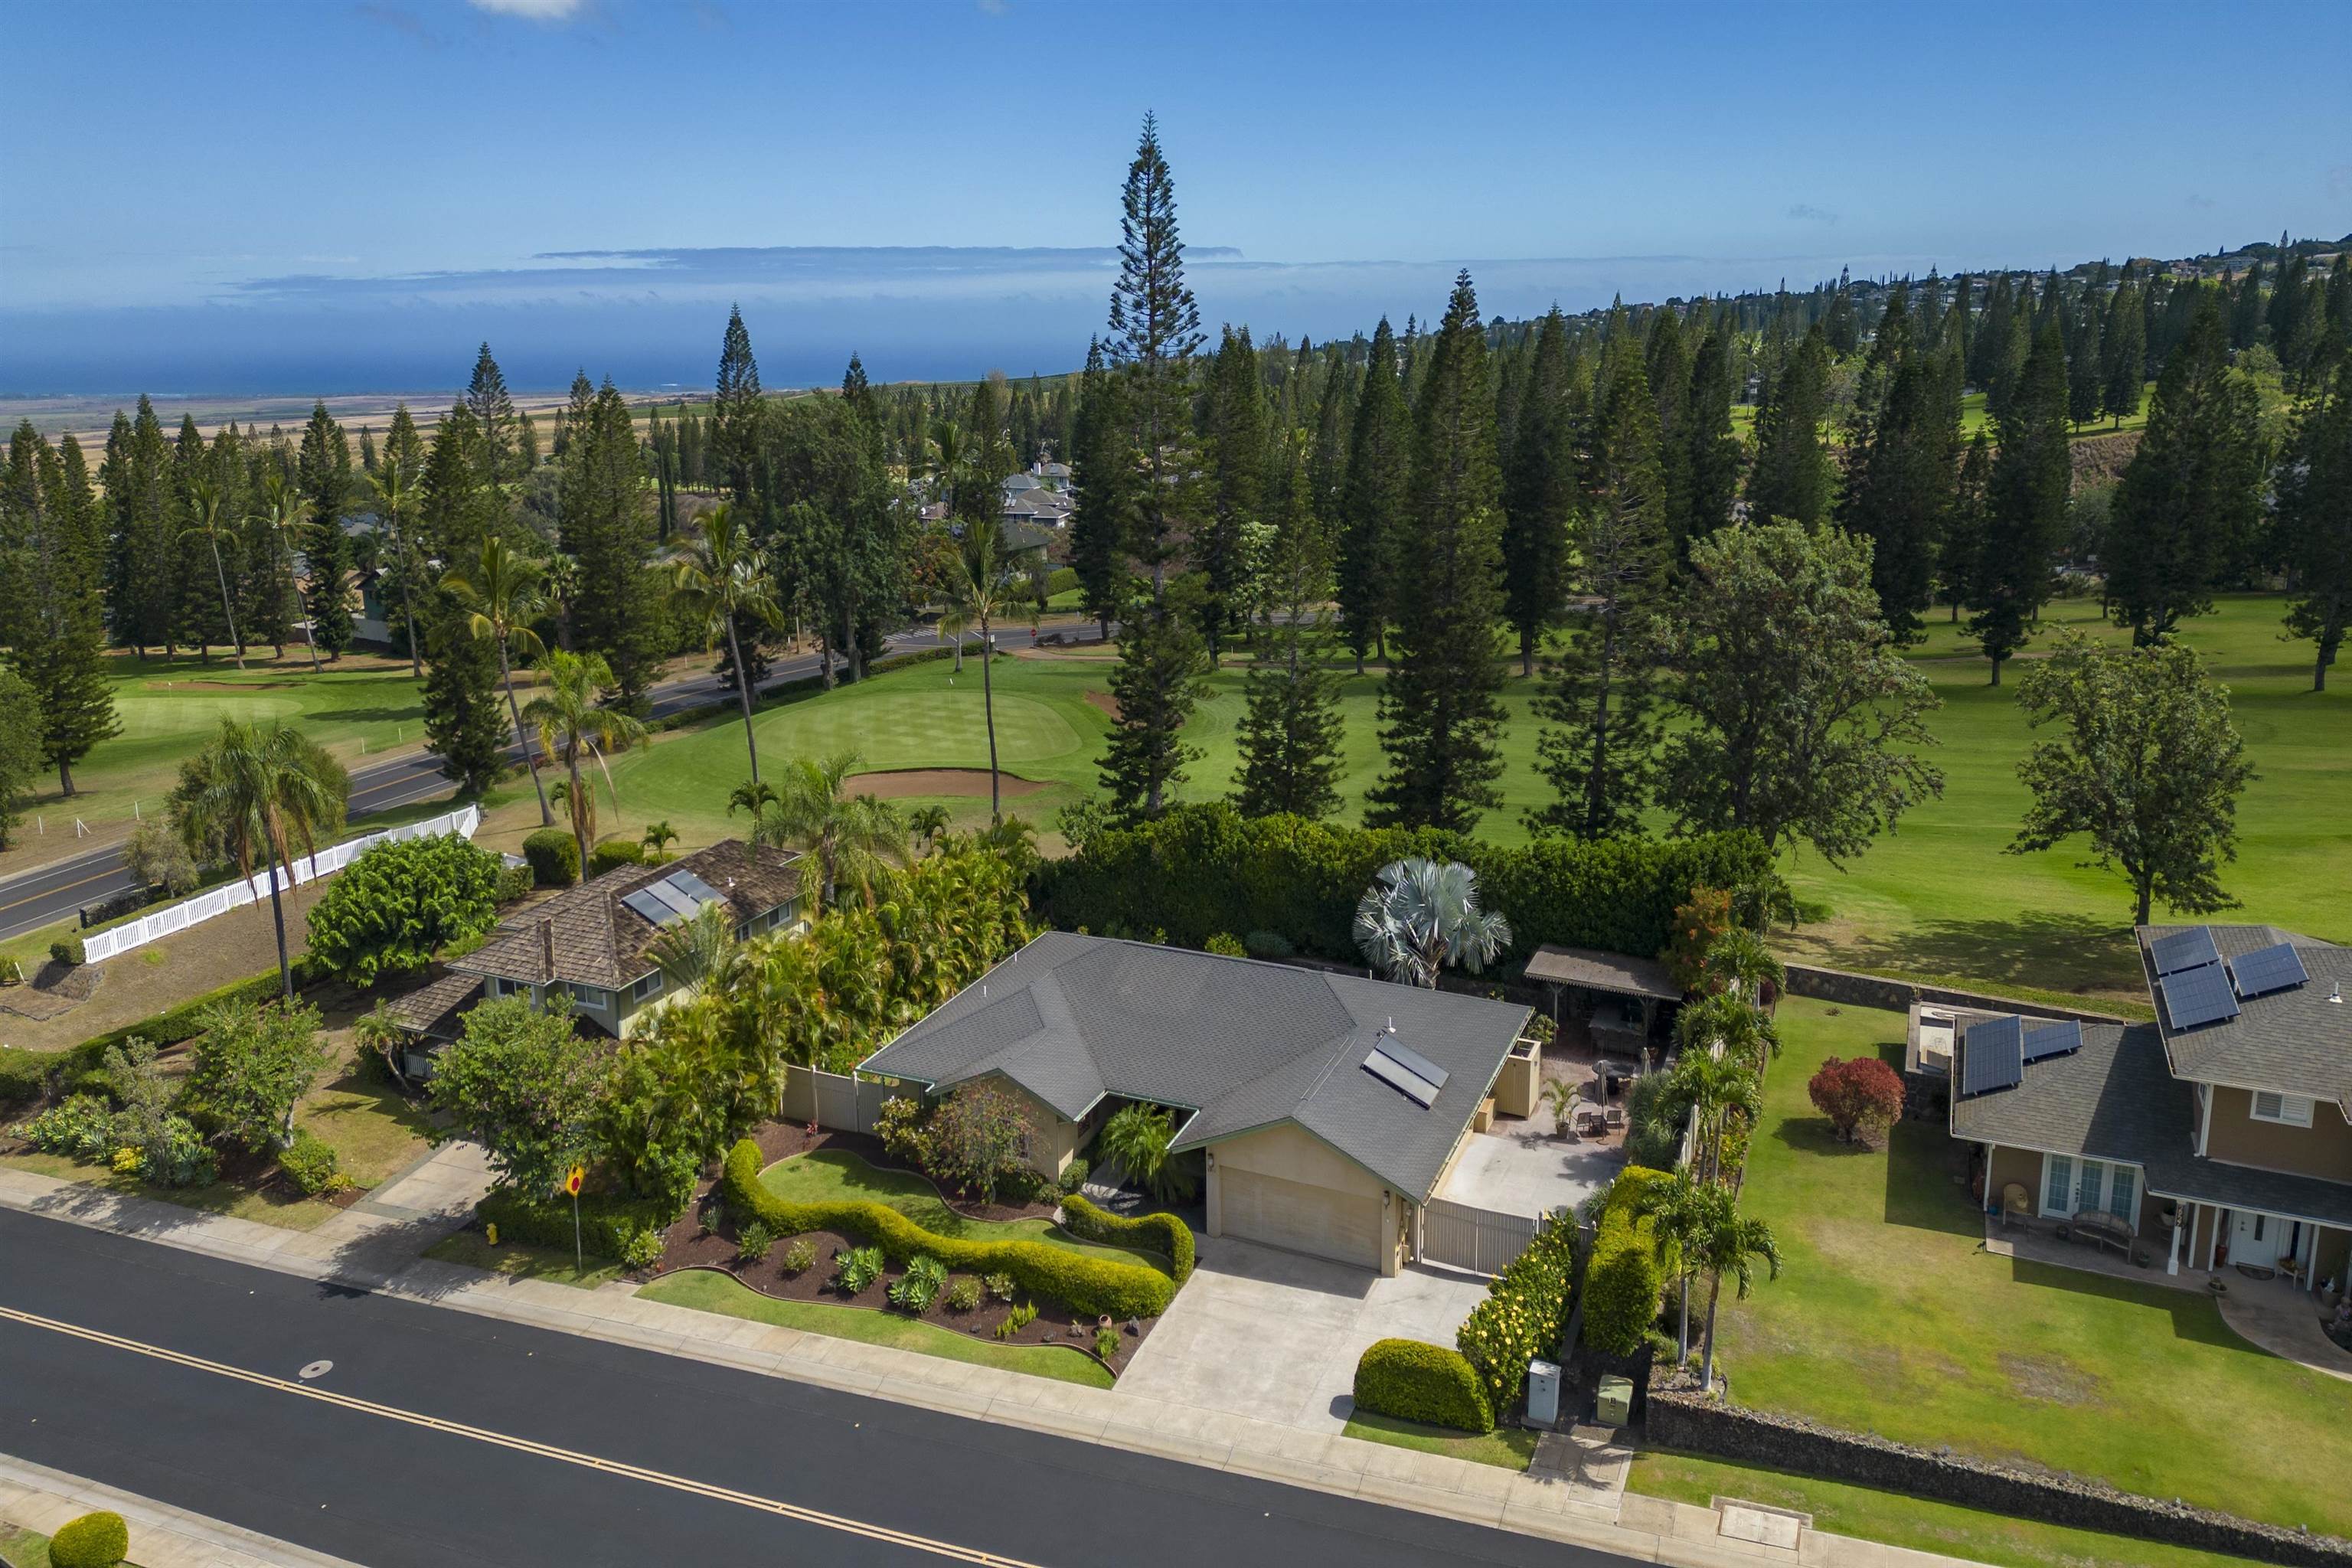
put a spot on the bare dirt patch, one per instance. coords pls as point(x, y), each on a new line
point(2050, 1379)
point(1103, 700)
point(899, 783)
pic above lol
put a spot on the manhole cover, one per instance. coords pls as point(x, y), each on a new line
point(315, 1369)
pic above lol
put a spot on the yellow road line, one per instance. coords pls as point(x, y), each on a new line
point(794, 1511)
point(61, 887)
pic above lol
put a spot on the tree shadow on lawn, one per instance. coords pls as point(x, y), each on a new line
point(2041, 949)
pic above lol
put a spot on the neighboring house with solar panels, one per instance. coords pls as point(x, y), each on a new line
point(593, 943)
point(2220, 1134)
point(1330, 1108)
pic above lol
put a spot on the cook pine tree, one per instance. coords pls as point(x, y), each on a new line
point(1291, 731)
point(2025, 505)
point(1539, 489)
point(1373, 501)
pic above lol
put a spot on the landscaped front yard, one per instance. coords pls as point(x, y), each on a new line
point(828, 1176)
point(1509, 1446)
point(1889, 1317)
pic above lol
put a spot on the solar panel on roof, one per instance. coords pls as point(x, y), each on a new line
point(655, 912)
point(2269, 969)
point(2195, 996)
point(693, 887)
point(1992, 1057)
point(1412, 1061)
point(684, 906)
point(2184, 950)
point(2054, 1040)
point(1405, 1081)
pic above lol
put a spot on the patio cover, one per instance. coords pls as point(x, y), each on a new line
point(1619, 973)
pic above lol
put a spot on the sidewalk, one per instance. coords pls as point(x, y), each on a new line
point(33, 1497)
point(1581, 1501)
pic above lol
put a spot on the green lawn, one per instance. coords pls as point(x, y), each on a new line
point(521, 1260)
point(710, 1292)
point(1908, 1522)
point(279, 1205)
point(1509, 1446)
point(25, 1548)
point(1889, 1317)
point(829, 1176)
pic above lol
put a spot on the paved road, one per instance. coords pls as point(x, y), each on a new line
point(54, 893)
point(439, 1437)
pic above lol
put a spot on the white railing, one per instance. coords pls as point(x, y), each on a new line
point(179, 917)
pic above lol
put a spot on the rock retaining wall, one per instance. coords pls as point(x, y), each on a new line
point(1683, 1419)
point(1852, 990)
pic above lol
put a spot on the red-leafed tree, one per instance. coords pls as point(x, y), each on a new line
point(1862, 1098)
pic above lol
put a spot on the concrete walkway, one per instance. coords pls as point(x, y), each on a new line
point(33, 1497)
point(2283, 1319)
point(1581, 1502)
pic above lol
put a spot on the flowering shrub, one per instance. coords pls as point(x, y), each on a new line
point(80, 1126)
point(1525, 1309)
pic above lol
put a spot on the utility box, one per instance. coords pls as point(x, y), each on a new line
point(1616, 1400)
point(1543, 1392)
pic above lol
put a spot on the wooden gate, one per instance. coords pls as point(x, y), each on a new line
point(1480, 1240)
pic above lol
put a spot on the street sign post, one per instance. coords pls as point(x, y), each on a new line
point(572, 1178)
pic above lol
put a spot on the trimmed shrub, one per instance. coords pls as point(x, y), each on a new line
point(1087, 1284)
point(553, 856)
point(1162, 1233)
point(68, 950)
point(1267, 945)
point(963, 1294)
point(1075, 1174)
point(1425, 1382)
point(1622, 1280)
point(311, 1164)
point(1524, 1315)
point(752, 1244)
point(395, 907)
point(608, 1226)
point(1227, 944)
point(93, 1540)
point(800, 1257)
point(516, 883)
point(613, 854)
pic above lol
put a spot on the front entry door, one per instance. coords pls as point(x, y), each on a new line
point(2258, 1240)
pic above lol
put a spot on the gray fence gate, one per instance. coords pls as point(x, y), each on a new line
point(1480, 1240)
point(835, 1100)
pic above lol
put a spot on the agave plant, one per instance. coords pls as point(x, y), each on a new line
point(1421, 915)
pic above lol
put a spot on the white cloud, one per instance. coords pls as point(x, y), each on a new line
point(531, 10)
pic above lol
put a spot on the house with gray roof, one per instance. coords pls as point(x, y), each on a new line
point(2220, 1133)
point(1329, 1107)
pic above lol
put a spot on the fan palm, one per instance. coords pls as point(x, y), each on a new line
point(1718, 1088)
point(571, 725)
point(283, 515)
point(851, 836)
point(205, 507)
point(265, 790)
point(983, 585)
point(1730, 1022)
point(1679, 1210)
point(721, 579)
point(1420, 915)
point(393, 493)
point(503, 597)
point(1725, 1243)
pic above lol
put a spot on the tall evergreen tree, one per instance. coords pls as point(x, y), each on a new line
point(1714, 454)
point(141, 586)
point(2122, 351)
point(498, 430)
point(325, 471)
point(1441, 715)
point(1372, 509)
point(1961, 549)
point(735, 410)
point(607, 528)
point(2315, 509)
point(2025, 505)
point(1101, 467)
point(1161, 676)
point(1668, 367)
point(2189, 501)
point(1155, 329)
point(1794, 477)
point(2085, 364)
point(1539, 492)
point(2248, 318)
point(1899, 477)
point(1291, 731)
point(50, 606)
point(1597, 705)
point(1237, 461)
point(464, 725)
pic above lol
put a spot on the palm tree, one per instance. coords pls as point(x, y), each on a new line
point(393, 492)
point(1420, 915)
point(284, 516)
point(504, 598)
point(1717, 1088)
point(1677, 1209)
point(1726, 1244)
point(982, 587)
point(701, 951)
point(1738, 961)
point(950, 467)
point(265, 790)
point(1731, 1023)
point(722, 576)
point(658, 836)
point(927, 823)
point(851, 837)
point(1137, 1138)
point(572, 725)
point(204, 503)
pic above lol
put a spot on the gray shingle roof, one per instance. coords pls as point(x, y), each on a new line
point(1618, 973)
point(2116, 1098)
point(2294, 1041)
point(1246, 1045)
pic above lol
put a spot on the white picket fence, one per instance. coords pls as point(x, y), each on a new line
point(236, 895)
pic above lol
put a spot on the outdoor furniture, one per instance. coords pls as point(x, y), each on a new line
point(1590, 1121)
point(1613, 1118)
point(2101, 1228)
point(2016, 1206)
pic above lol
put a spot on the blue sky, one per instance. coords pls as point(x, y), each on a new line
point(317, 195)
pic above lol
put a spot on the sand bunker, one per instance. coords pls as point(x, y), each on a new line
point(903, 782)
point(1103, 700)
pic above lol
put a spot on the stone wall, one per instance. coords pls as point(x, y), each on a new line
point(1852, 990)
point(1685, 1420)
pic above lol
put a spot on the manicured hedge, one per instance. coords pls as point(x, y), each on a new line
point(93, 1540)
point(1087, 1284)
point(1153, 1232)
point(1418, 1382)
point(1524, 1315)
point(613, 854)
point(606, 1224)
point(1204, 869)
point(1622, 1279)
point(24, 1074)
point(553, 856)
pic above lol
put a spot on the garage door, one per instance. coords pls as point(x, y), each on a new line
point(1299, 1217)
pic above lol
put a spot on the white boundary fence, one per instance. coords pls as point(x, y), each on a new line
point(235, 895)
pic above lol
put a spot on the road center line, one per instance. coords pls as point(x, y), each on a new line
point(526, 1445)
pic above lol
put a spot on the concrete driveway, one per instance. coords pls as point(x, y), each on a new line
point(1273, 1335)
point(1527, 1172)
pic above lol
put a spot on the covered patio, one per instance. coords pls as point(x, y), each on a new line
point(1621, 1001)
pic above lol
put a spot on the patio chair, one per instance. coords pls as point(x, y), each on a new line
point(2016, 1206)
point(1613, 1119)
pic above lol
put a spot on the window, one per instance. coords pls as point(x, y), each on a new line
point(2122, 1187)
point(650, 985)
point(591, 996)
point(2060, 1178)
point(2086, 1185)
point(2287, 1110)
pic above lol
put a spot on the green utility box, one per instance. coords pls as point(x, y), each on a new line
point(1616, 1400)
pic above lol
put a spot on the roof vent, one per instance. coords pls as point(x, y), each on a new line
point(2336, 992)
